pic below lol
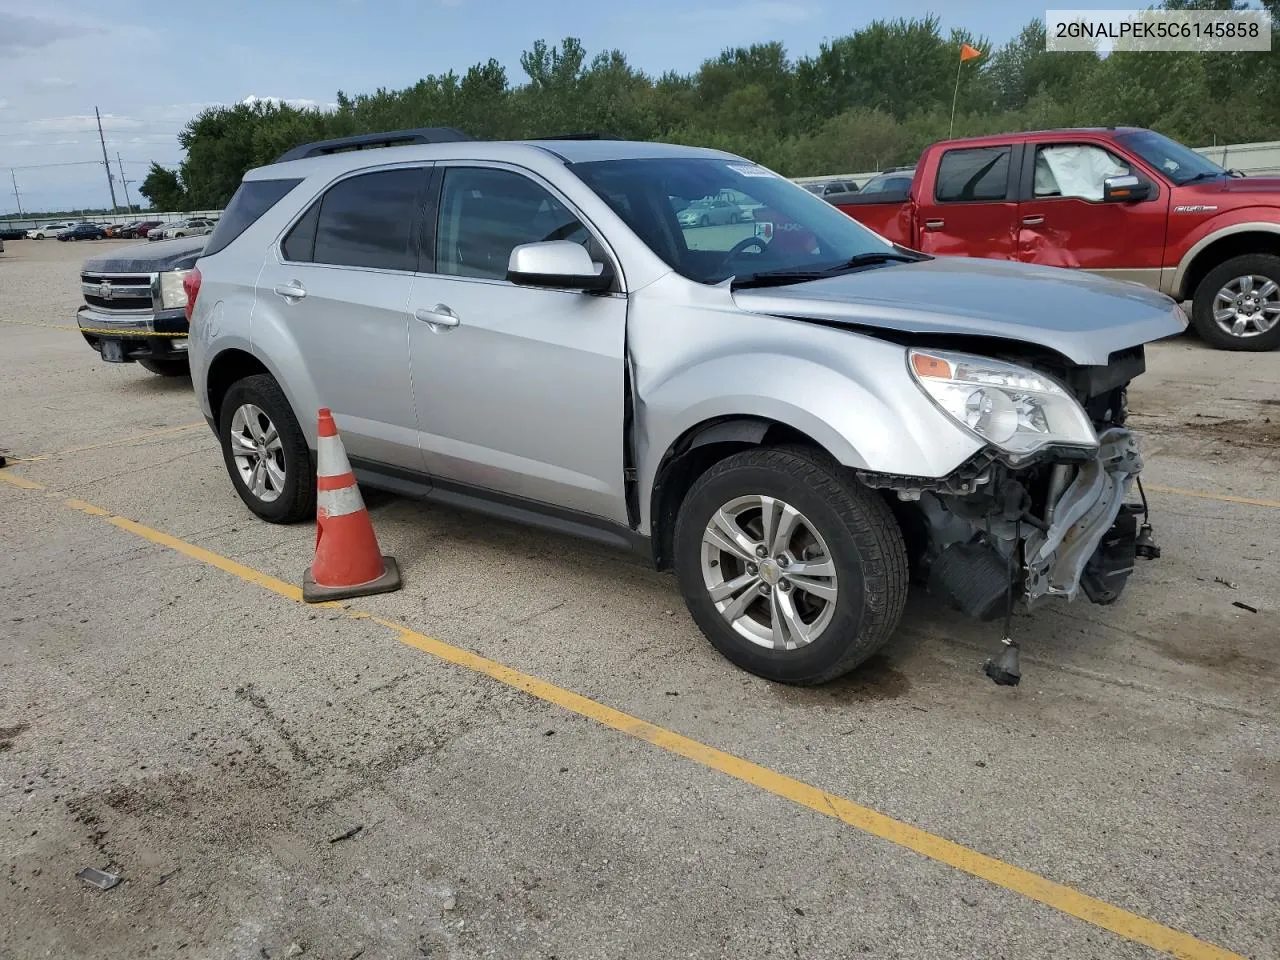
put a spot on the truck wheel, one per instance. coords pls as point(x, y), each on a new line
point(265, 451)
point(792, 571)
point(1237, 304)
point(167, 367)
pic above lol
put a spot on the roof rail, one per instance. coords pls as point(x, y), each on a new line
point(369, 141)
point(576, 136)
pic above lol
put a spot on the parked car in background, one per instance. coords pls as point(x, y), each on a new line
point(710, 211)
point(12, 233)
point(1125, 202)
point(135, 306)
point(891, 182)
point(48, 230)
point(790, 420)
point(194, 227)
point(83, 231)
point(138, 230)
point(826, 188)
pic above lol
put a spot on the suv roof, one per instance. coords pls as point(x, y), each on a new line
point(396, 147)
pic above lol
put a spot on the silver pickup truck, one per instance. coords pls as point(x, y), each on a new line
point(791, 413)
point(135, 307)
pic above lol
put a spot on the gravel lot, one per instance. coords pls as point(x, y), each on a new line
point(209, 740)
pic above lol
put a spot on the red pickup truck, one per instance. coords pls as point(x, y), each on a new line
point(1125, 202)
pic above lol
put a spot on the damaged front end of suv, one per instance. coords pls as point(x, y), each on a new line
point(1042, 510)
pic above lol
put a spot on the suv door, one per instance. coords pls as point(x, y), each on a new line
point(340, 281)
point(973, 207)
point(1064, 222)
point(519, 389)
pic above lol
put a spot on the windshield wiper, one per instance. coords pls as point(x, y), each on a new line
point(778, 278)
point(1205, 175)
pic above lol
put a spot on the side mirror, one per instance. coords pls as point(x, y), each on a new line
point(1125, 189)
point(557, 263)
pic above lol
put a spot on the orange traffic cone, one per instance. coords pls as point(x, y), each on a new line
point(348, 562)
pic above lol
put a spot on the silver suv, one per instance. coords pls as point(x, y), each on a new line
point(789, 412)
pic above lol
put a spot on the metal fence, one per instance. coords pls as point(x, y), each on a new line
point(26, 223)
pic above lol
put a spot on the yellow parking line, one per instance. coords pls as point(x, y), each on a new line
point(112, 443)
point(1060, 897)
point(1223, 497)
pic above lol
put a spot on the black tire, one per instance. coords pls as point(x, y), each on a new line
point(1256, 264)
point(297, 499)
point(861, 534)
point(167, 366)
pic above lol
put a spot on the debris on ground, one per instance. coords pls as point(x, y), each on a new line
point(1225, 582)
point(166, 877)
point(348, 835)
point(450, 900)
point(295, 950)
point(98, 878)
point(1244, 606)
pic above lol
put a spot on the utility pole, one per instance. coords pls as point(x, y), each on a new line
point(128, 204)
point(111, 184)
point(14, 178)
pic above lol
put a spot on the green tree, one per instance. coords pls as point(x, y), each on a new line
point(163, 189)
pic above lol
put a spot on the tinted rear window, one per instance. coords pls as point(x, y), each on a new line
point(368, 220)
point(251, 201)
point(978, 173)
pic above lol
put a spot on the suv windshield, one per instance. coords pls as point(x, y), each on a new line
point(760, 223)
point(1180, 164)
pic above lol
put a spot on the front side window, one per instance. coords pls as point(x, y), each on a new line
point(363, 221)
point(974, 173)
point(485, 213)
point(1075, 170)
point(710, 219)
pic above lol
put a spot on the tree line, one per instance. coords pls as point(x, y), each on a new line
point(865, 101)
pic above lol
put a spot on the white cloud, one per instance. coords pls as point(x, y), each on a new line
point(300, 103)
point(763, 11)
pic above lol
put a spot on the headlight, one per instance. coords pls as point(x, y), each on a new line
point(1016, 409)
point(172, 295)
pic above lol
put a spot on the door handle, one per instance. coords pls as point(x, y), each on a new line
point(933, 224)
point(1032, 221)
point(439, 317)
point(291, 291)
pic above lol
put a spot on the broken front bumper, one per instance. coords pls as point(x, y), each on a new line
point(1090, 538)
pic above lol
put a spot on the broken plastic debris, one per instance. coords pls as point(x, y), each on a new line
point(1244, 606)
point(1225, 582)
point(98, 878)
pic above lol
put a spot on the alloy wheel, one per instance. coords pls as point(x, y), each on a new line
point(1247, 306)
point(258, 452)
point(769, 573)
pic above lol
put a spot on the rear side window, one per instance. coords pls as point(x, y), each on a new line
point(977, 173)
point(252, 199)
point(364, 221)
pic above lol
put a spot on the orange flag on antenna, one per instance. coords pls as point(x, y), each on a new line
point(968, 53)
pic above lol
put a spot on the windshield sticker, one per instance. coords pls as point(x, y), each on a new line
point(750, 170)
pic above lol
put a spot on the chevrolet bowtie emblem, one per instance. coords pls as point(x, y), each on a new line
point(104, 289)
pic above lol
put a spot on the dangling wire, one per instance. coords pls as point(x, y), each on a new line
point(1146, 511)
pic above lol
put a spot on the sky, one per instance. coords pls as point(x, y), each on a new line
point(149, 67)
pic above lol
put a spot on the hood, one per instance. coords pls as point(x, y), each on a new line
point(1239, 185)
point(150, 257)
point(1084, 317)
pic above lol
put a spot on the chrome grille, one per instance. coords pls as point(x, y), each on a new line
point(117, 293)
